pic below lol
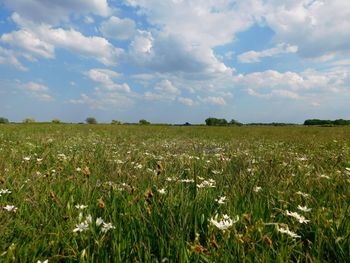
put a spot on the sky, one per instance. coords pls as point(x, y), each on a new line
point(175, 61)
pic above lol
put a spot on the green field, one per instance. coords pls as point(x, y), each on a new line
point(115, 193)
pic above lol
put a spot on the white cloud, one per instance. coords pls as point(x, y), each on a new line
point(119, 29)
point(28, 41)
point(105, 78)
point(89, 20)
point(255, 56)
point(42, 40)
point(55, 11)
point(218, 101)
point(36, 90)
point(163, 91)
point(317, 27)
point(10, 57)
point(102, 100)
point(186, 101)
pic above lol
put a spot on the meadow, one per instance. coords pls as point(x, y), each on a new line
point(115, 193)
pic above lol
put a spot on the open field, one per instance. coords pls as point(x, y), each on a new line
point(104, 193)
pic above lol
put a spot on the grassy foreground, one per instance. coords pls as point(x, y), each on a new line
point(103, 193)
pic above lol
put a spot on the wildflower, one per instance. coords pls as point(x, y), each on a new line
point(298, 217)
point(84, 226)
point(10, 208)
point(304, 208)
point(162, 191)
point(187, 181)
point(81, 206)
point(45, 261)
point(88, 219)
point(210, 184)
point(99, 221)
point(257, 189)
point(302, 194)
point(27, 158)
point(325, 176)
point(287, 231)
point(39, 160)
point(221, 200)
point(225, 223)
point(106, 227)
point(4, 191)
point(78, 169)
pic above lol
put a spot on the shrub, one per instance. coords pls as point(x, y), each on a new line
point(143, 122)
point(29, 120)
point(116, 122)
point(56, 121)
point(91, 120)
point(215, 122)
point(4, 120)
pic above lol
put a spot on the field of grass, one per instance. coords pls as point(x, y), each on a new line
point(104, 193)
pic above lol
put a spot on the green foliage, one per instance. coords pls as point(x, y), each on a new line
point(116, 122)
point(29, 120)
point(235, 123)
point(144, 122)
point(3, 120)
point(158, 187)
point(339, 122)
point(91, 120)
point(56, 121)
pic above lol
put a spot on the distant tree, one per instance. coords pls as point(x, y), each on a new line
point(29, 120)
point(215, 122)
point(235, 123)
point(116, 122)
point(56, 121)
point(144, 122)
point(4, 120)
point(91, 120)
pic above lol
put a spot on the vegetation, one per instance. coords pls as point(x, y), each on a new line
point(3, 120)
point(338, 122)
point(91, 120)
point(115, 193)
point(29, 120)
point(116, 122)
point(215, 122)
point(144, 122)
point(56, 121)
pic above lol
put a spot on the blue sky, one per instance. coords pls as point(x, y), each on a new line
point(175, 61)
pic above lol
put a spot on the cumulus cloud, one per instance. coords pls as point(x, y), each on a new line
point(10, 57)
point(42, 40)
point(186, 101)
point(105, 78)
point(55, 11)
point(255, 56)
point(213, 100)
point(105, 101)
point(36, 90)
point(316, 27)
point(117, 28)
point(163, 91)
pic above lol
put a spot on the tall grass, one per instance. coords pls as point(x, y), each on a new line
point(159, 186)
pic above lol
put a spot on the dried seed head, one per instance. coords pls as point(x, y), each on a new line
point(86, 172)
point(160, 168)
point(100, 203)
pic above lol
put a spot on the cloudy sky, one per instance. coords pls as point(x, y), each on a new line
point(175, 61)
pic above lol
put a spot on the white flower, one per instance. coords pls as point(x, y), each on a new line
point(325, 176)
point(302, 194)
point(298, 217)
point(27, 158)
point(99, 221)
point(10, 208)
point(88, 219)
point(257, 189)
point(187, 181)
point(78, 169)
point(210, 184)
point(221, 200)
point(81, 227)
point(81, 206)
point(4, 191)
point(45, 261)
point(162, 191)
point(106, 227)
point(287, 231)
point(304, 208)
point(225, 223)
